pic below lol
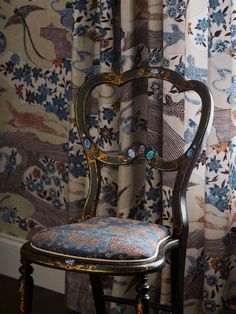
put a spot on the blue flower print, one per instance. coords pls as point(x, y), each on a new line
point(149, 174)
point(171, 12)
point(157, 207)
point(103, 32)
point(214, 165)
point(109, 193)
point(18, 73)
point(233, 87)
point(56, 180)
point(214, 4)
point(224, 273)
point(77, 170)
point(218, 17)
point(65, 177)
point(44, 90)
point(10, 165)
point(108, 114)
point(166, 63)
point(22, 223)
point(12, 158)
point(56, 203)
point(211, 280)
point(30, 185)
point(46, 179)
point(37, 73)
point(80, 5)
point(181, 7)
point(153, 194)
point(234, 45)
point(220, 204)
point(202, 25)
point(80, 203)
point(40, 98)
point(170, 2)
point(200, 39)
point(92, 122)
point(67, 93)
point(67, 65)
point(72, 136)
point(192, 124)
point(180, 68)
point(154, 57)
point(220, 46)
point(96, 18)
point(232, 179)
point(50, 167)
point(219, 191)
point(107, 55)
point(112, 3)
point(27, 78)
point(65, 147)
point(54, 77)
point(15, 59)
point(39, 187)
point(210, 305)
point(80, 30)
point(233, 30)
point(198, 266)
point(6, 214)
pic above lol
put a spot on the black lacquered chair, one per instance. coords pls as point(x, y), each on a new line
point(119, 246)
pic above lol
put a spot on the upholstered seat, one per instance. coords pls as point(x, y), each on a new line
point(104, 238)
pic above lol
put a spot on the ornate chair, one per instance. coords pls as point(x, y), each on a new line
point(119, 246)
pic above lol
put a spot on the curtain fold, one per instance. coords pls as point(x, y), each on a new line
point(197, 40)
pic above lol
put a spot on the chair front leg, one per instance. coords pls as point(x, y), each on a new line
point(142, 298)
point(25, 288)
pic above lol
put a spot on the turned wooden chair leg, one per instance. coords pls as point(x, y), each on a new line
point(25, 288)
point(98, 294)
point(142, 298)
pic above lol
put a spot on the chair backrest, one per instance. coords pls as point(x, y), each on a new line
point(183, 165)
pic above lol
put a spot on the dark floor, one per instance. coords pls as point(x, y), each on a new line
point(44, 301)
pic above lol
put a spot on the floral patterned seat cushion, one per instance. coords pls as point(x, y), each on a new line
point(104, 238)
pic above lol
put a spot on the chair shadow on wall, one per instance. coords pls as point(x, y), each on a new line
point(119, 246)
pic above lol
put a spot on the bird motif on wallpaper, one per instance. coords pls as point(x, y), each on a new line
point(175, 109)
point(152, 39)
point(59, 39)
point(31, 120)
point(171, 38)
point(19, 18)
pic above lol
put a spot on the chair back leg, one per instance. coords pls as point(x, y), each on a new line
point(177, 280)
point(142, 298)
point(25, 288)
point(98, 294)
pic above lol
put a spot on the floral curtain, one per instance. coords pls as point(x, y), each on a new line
point(47, 50)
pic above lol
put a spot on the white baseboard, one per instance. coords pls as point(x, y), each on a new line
point(45, 277)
